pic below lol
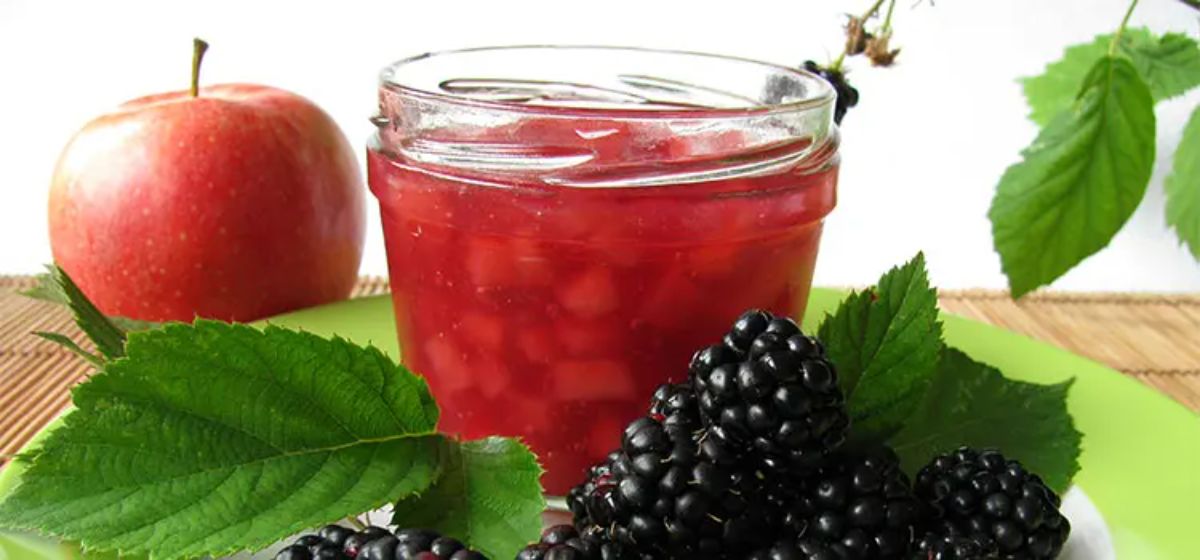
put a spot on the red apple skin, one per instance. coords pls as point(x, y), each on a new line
point(238, 204)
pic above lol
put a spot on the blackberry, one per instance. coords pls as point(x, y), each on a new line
point(658, 496)
point(334, 542)
point(856, 506)
point(847, 95)
point(769, 391)
point(565, 542)
point(983, 495)
point(945, 547)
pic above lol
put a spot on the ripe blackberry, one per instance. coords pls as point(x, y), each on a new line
point(856, 506)
point(659, 497)
point(768, 390)
point(334, 542)
point(565, 542)
point(945, 547)
point(847, 96)
point(985, 496)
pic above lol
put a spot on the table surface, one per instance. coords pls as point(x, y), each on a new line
point(1153, 338)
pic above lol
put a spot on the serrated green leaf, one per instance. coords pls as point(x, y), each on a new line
point(488, 495)
point(973, 404)
point(1078, 182)
point(212, 438)
point(885, 343)
point(108, 338)
point(48, 289)
point(1183, 187)
point(28, 547)
point(1170, 65)
point(66, 342)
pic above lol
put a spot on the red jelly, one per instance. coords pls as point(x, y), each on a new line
point(565, 226)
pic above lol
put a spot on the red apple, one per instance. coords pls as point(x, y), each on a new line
point(234, 202)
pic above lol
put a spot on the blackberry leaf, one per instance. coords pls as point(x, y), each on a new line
point(1170, 65)
point(885, 343)
point(49, 290)
point(1183, 187)
point(212, 438)
point(109, 338)
point(972, 404)
point(1079, 181)
point(488, 495)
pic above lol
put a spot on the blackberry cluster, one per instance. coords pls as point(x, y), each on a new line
point(768, 393)
point(984, 497)
point(334, 542)
point(847, 96)
point(712, 470)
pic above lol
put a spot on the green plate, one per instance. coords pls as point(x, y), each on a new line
point(1141, 452)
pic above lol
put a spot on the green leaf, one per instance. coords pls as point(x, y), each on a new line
point(212, 438)
point(1170, 65)
point(885, 343)
point(108, 338)
point(972, 404)
point(48, 289)
point(488, 495)
point(1078, 182)
point(1183, 187)
point(66, 342)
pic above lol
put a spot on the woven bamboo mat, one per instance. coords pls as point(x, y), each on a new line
point(1155, 339)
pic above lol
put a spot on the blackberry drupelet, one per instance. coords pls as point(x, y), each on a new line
point(857, 506)
point(847, 96)
point(769, 392)
point(795, 549)
point(334, 542)
point(946, 547)
point(659, 497)
point(985, 496)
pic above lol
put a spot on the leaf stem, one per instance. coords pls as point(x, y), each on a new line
point(887, 20)
point(1116, 40)
point(199, 47)
point(358, 524)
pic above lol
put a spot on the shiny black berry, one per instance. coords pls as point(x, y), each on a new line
point(847, 96)
point(660, 496)
point(768, 393)
point(334, 542)
point(857, 505)
point(989, 498)
point(335, 534)
point(294, 552)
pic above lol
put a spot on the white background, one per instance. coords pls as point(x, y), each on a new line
point(922, 153)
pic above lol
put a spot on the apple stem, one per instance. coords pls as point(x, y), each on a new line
point(199, 47)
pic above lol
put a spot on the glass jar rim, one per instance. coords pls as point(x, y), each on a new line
point(820, 94)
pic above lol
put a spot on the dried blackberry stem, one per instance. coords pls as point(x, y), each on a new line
point(836, 66)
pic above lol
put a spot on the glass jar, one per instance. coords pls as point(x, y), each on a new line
point(565, 226)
